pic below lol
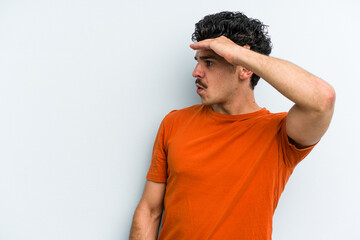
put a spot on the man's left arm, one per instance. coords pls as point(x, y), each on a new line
point(309, 118)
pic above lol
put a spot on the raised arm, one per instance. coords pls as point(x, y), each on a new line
point(314, 99)
point(147, 216)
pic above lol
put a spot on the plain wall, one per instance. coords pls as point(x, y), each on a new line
point(84, 86)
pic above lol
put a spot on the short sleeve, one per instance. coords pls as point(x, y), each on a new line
point(158, 166)
point(291, 155)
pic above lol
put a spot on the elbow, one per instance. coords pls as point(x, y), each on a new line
point(327, 100)
point(153, 212)
point(156, 213)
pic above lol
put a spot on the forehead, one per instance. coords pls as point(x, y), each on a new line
point(200, 54)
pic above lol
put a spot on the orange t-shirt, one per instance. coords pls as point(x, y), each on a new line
point(224, 174)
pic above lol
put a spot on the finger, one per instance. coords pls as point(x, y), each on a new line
point(204, 44)
point(198, 46)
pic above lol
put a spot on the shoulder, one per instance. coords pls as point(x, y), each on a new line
point(269, 123)
point(277, 117)
point(272, 118)
point(177, 117)
point(183, 112)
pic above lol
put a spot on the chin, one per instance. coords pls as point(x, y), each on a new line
point(207, 102)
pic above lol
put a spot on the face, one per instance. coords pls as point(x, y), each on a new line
point(216, 79)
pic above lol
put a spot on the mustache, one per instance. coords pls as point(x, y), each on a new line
point(200, 83)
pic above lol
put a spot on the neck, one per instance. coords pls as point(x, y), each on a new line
point(242, 104)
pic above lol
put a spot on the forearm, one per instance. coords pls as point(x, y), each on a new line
point(145, 225)
point(306, 90)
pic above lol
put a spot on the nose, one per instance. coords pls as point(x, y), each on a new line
point(198, 72)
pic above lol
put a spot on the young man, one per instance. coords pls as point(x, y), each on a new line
point(218, 168)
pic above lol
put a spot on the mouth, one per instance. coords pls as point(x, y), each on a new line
point(199, 88)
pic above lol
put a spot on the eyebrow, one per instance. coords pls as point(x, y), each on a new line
point(205, 57)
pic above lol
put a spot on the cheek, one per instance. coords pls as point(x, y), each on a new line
point(222, 83)
point(219, 91)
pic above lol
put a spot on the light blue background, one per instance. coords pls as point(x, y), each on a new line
point(84, 86)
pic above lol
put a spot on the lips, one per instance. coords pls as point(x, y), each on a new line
point(199, 86)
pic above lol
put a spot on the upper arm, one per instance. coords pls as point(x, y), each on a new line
point(306, 127)
point(153, 197)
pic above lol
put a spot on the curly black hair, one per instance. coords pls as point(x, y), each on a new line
point(237, 27)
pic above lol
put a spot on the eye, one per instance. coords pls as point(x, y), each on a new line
point(209, 63)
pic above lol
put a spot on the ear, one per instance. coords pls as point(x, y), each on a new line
point(243, 73)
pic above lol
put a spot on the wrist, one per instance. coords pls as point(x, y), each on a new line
point(241, 54)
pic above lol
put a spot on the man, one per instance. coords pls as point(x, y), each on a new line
point(218, 168)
